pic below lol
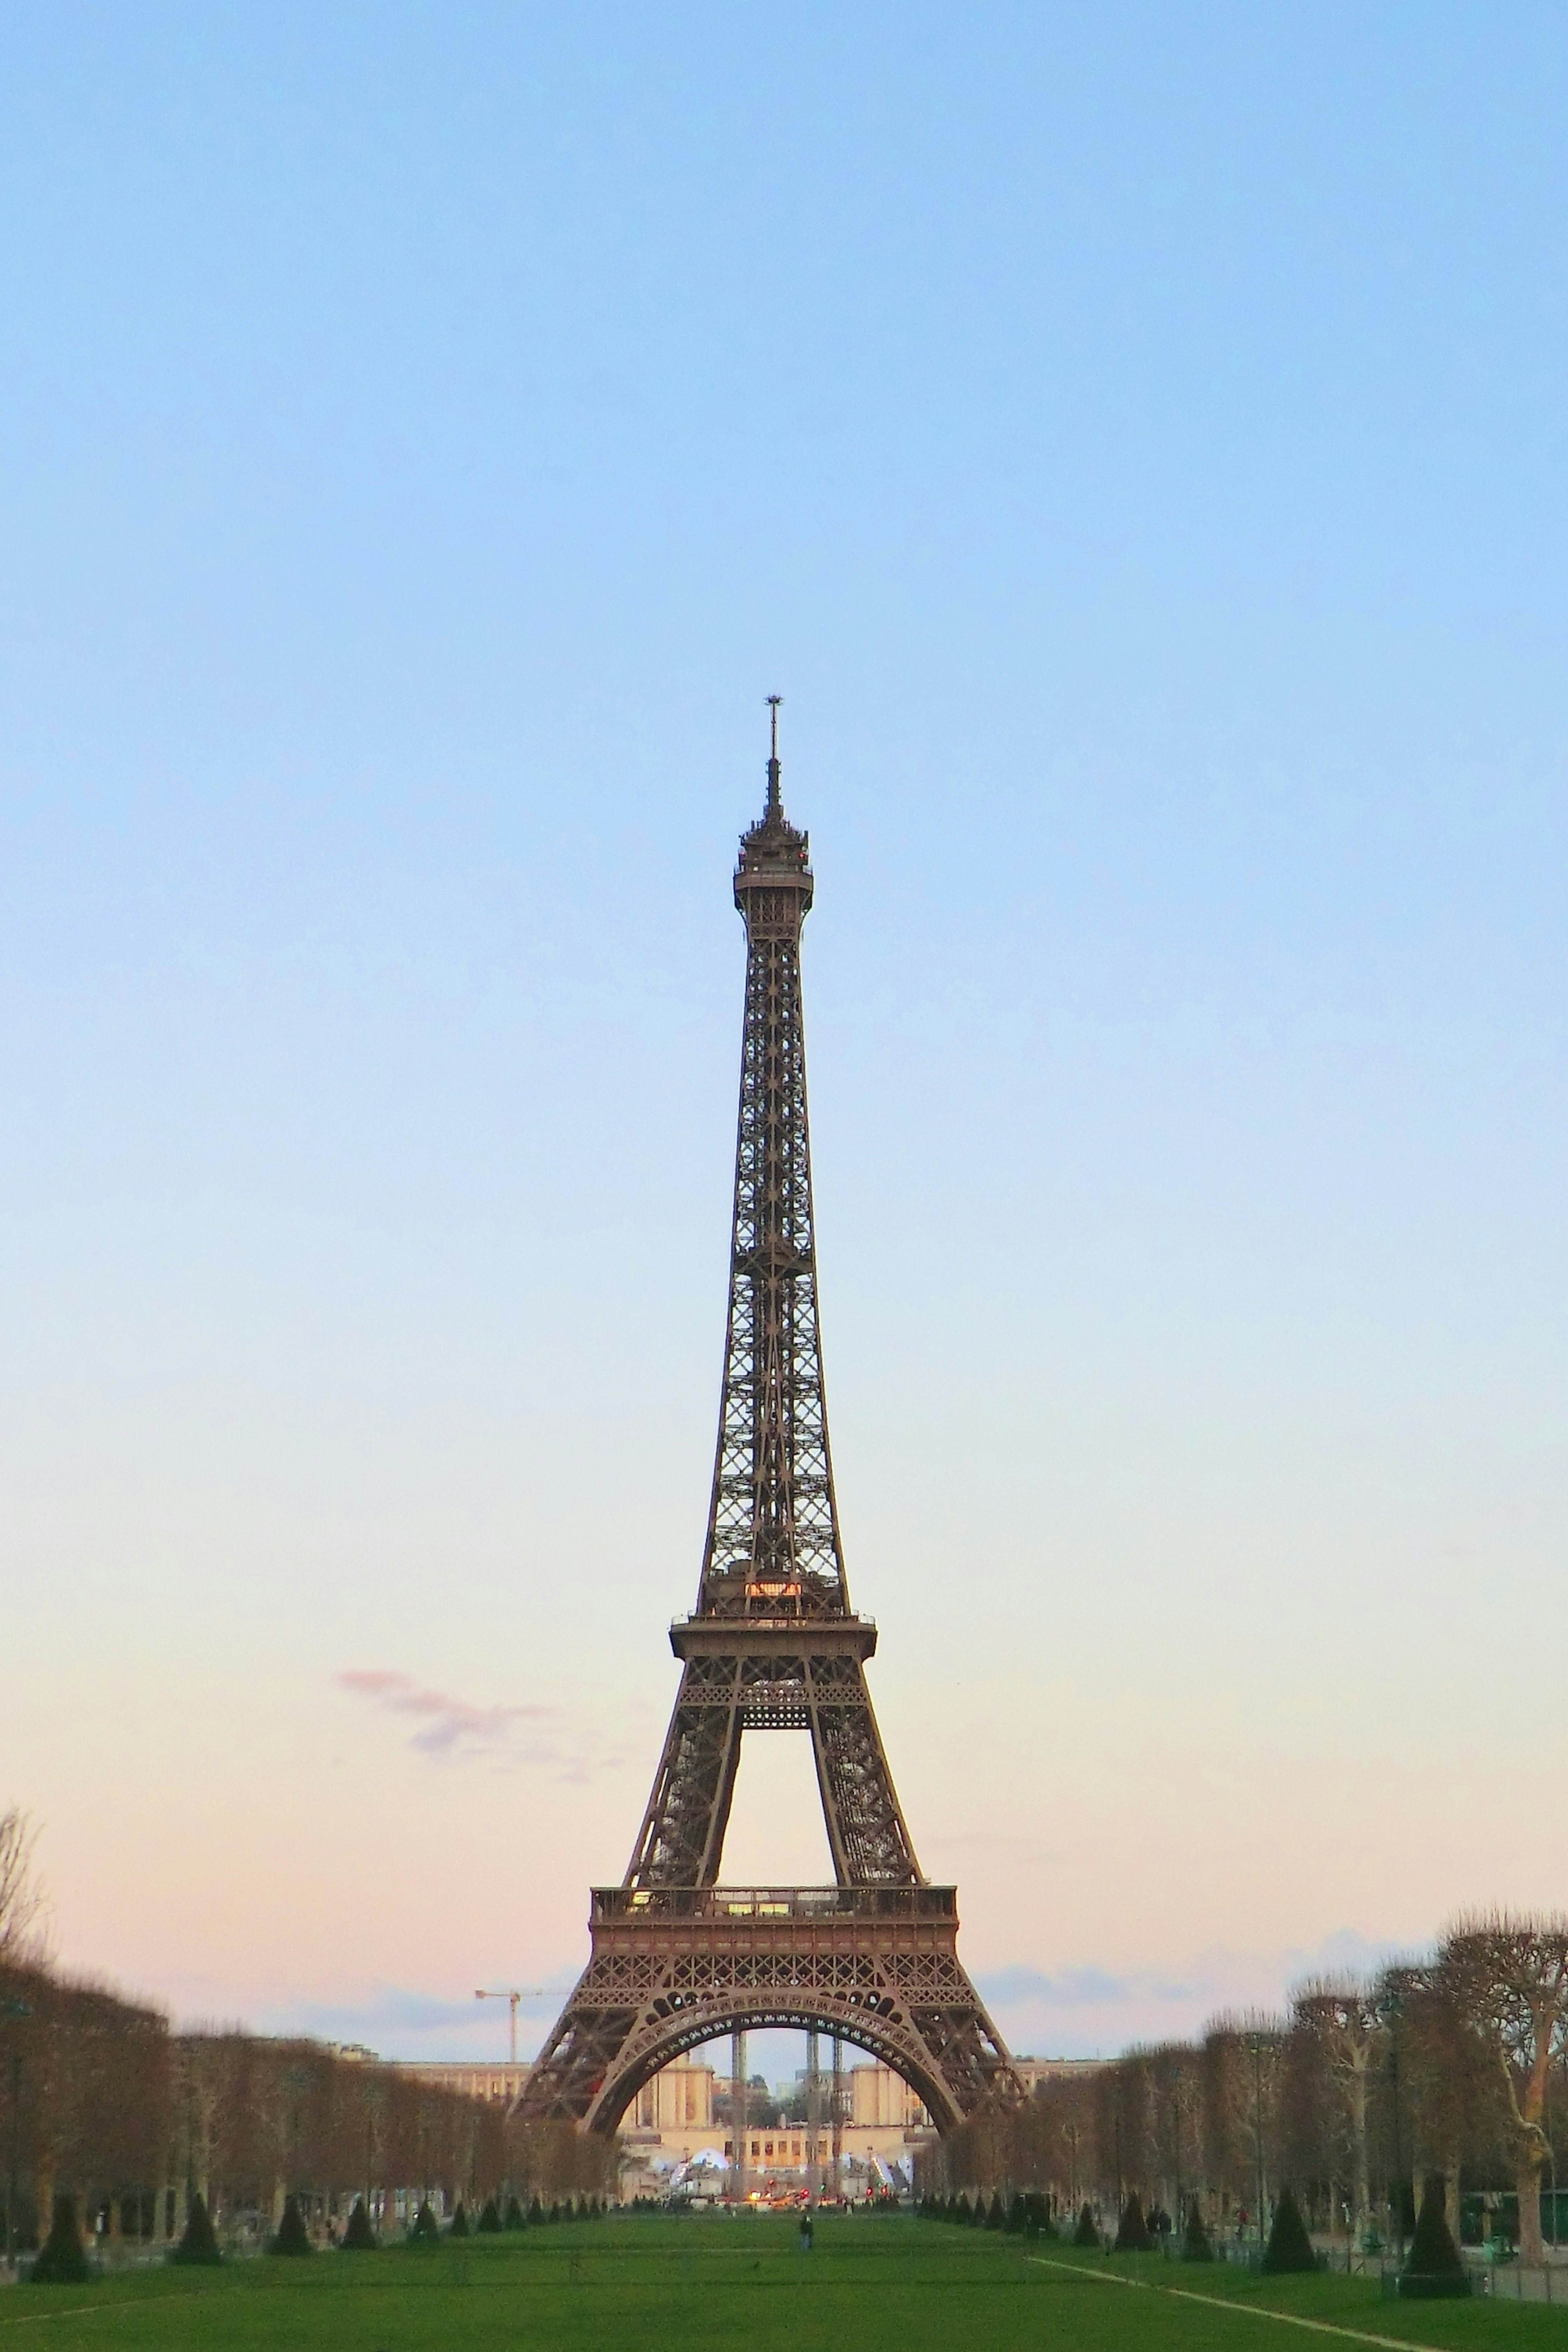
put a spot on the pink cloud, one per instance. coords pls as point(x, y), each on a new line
point(449, 1721)
point(455, 1726)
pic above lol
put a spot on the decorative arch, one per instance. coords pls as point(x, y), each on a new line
point(878, 2037)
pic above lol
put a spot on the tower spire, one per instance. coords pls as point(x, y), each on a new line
point(775, 795)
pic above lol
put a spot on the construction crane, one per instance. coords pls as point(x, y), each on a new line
point(512, 1995)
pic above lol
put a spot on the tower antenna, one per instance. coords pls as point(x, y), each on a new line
point(774, 796)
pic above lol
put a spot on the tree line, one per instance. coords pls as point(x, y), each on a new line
point(1453, 2067)
point(100, 2101)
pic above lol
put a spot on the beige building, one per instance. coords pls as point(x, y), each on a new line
point(676, 2109)
point(1033, 2071)
point(678, 2099)
point(671, 2123)
point(501, 2082)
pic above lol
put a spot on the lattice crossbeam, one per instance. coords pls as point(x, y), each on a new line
point(657, 1985)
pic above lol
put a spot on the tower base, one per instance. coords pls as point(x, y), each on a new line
point(676, 1966)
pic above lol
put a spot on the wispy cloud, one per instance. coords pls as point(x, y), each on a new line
point(519, 1734)
point(400, 2021)
point(1074, 1989)
point(1086, 2008)
point(448, 1722)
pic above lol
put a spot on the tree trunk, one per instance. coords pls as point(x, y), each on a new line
point(1362, 2212)
point(1451, 2194)
point(1530, 2249)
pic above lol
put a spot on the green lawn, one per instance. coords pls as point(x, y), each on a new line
point(655, 2285)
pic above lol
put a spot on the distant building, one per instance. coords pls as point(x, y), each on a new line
point(488, 2083)
point(678, 2099)
point(671, 2120)
point(1032, 2072)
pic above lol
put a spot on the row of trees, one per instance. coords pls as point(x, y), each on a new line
point(1457, 2065)
point(99, 2101)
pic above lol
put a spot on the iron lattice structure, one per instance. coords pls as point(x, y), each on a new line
point(772, 1644)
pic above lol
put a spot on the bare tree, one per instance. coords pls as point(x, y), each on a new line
point(1508, 1978)
point(1243, 2066)
point(1344, 2023)
point(1458, 2102)
point(22, 1903)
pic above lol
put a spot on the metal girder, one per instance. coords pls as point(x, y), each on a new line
point(670, 1972)
point(781, 1676)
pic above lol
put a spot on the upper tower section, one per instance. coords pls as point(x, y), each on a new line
point(772, 1547)
point(773, 877)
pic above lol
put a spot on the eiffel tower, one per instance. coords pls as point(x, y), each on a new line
point(678, 1959)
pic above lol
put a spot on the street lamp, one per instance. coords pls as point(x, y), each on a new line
point(1179, 2086)
point(18, 2009)
point(1255, 2043)
point(1391, 2007)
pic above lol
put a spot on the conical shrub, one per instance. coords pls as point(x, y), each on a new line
point(198, 2243)
point(292, 2236)
point(426, 2230)
point(62, 2260)
point(513, 2215)
point(359, 2238)
point(995, 2217)
point(1289, 2247)
point(488, 2225)
point(1132, 2230)
point(1086, 2234)
point(459, 2227)
point(1435, 2267)
point(1197, 2246)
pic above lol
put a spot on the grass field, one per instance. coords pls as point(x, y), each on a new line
point(871, 2284)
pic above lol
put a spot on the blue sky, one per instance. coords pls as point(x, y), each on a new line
point(1131, 440)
